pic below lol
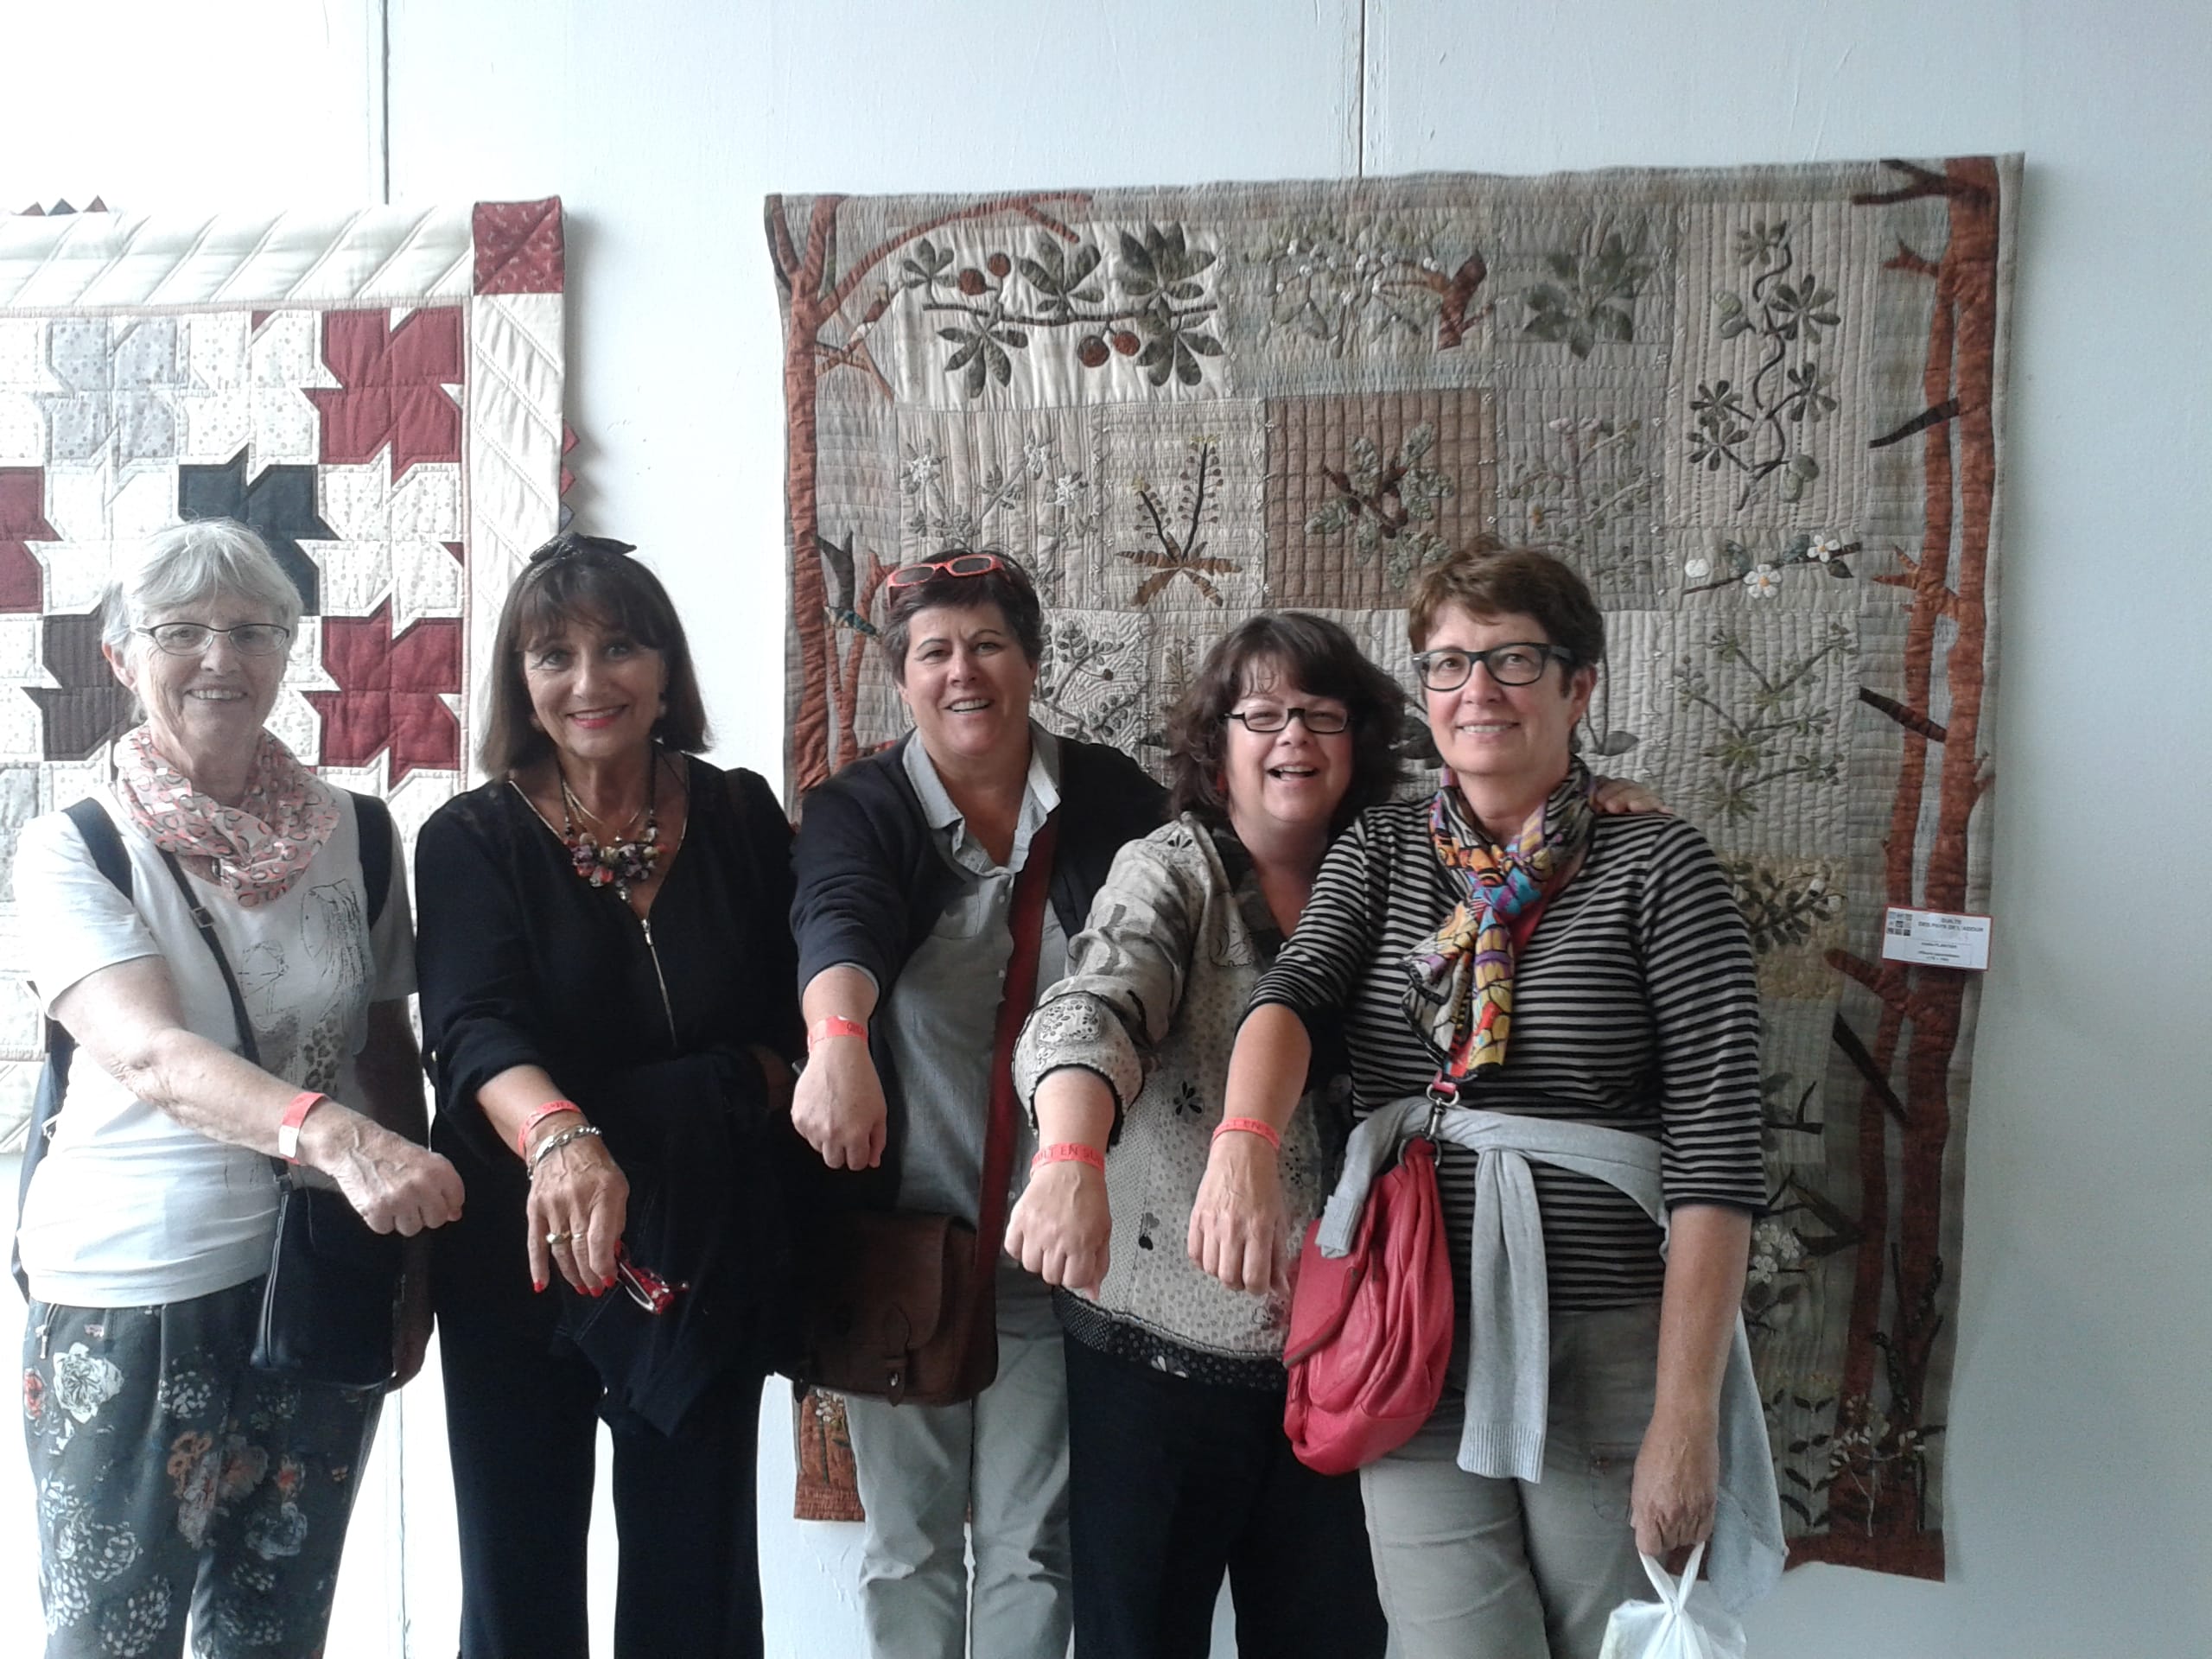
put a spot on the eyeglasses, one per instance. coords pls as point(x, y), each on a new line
point(1521, 662)
point(192, 639)
point(1322, 722)
point(648, 1290)
point(964, 564)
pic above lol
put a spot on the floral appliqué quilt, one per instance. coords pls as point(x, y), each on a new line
point(1761, 410)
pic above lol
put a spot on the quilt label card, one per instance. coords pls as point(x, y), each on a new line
point(1936, 938)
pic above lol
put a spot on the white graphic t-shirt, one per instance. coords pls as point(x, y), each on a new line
point(130, 1208)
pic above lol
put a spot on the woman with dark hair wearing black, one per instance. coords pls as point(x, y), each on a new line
point(607, 976)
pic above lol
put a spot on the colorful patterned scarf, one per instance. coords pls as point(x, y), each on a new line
point(255, 849)
point(1460, 983)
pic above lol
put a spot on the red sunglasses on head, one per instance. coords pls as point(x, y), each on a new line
point(964, 565)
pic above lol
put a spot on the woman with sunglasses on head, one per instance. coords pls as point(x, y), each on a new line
point(210, 929)
point(1569, 999)
point(606, 977)
point(908, 862)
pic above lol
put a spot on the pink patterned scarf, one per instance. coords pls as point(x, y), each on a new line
point(255, 849)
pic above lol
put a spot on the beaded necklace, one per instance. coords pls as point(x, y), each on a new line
point(625, 862)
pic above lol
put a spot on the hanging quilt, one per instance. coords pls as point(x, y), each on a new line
point(1760, 409)
point(378, 394)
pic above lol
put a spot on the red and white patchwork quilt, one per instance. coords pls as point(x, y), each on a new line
point(378, 393)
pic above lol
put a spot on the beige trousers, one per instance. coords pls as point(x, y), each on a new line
point(1471, 1567)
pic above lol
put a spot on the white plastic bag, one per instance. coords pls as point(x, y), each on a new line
point(1686, 1622)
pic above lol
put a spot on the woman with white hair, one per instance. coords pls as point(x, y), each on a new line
point(171, 1475)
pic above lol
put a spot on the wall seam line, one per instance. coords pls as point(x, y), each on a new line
point(1359, 101)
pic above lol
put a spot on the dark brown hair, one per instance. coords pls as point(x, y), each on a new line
point(1323, 661)
point(584, 579)
point(1489, 580)
point(1008, 588)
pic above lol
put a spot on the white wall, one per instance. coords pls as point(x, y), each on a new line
point(2081, 1473)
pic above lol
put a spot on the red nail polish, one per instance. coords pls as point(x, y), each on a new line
point(537, 1285)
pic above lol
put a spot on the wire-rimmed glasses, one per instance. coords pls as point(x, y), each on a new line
point(192, 639)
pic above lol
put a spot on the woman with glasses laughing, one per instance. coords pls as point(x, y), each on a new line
point(908, 862)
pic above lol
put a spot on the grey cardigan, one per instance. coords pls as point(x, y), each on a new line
point(1156, 986)
point(1508, 1313)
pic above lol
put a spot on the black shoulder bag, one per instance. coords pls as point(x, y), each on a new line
point(329, 1305)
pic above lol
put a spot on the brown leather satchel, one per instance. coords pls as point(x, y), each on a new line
point(903, 1307)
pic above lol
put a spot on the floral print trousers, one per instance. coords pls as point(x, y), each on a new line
point(169, 1474)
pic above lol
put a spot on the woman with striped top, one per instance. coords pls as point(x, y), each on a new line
point(1584, 985)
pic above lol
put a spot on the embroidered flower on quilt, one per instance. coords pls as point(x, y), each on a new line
point(923, 468)
point(1697, 569)
point(84, 1382)
point(1765, 581)
point(1823, 549)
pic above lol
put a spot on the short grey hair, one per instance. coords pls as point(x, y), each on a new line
point(189, 563)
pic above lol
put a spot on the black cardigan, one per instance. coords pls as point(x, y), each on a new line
point(520, 962)
point(870, 884)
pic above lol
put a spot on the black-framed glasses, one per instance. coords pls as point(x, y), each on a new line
point(1521, 662)
point(962, 564)
point(192, 639)
point(1322, 722)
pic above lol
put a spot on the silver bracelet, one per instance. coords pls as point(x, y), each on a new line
point(553, 1143)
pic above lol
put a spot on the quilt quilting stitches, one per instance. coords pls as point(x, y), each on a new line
point(336, 382)
point(1761, 410)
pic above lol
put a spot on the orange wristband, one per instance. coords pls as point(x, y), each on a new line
point(550, 1109)
point(1267, 1132)
point(287, 1131)
point(833, 1025)
point(1069, 1152)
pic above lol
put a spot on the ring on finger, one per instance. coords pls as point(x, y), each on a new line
point(559, 1237)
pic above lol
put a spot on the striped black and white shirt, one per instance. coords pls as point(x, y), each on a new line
point(1634, 1007)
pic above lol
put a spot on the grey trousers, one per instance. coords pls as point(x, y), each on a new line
point(1471, 1567)
point(1003, 1457)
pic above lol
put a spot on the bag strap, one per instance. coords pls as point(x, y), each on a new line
point(372, 824)
point(102, 842)
point(112, 860)
point(206, 923)
point(1031, 889)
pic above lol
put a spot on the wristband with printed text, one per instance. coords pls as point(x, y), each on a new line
point(1267, 1132)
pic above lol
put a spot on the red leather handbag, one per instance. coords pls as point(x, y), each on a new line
point(1370, 1331)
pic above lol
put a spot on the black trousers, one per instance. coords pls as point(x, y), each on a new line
point(523, 1424)
point(1174, 1483)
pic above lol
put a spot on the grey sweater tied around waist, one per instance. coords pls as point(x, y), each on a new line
point(1508, 1336)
